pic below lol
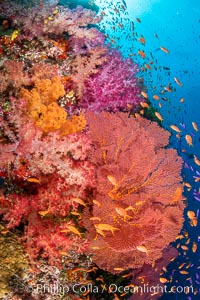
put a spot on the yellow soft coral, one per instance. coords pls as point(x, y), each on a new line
point(42, 106)
point(74, 124)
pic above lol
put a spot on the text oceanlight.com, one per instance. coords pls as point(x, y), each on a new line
point(55, 289)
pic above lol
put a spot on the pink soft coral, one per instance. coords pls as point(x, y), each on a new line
point(113, 87)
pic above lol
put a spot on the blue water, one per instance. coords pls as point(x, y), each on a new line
point(176, 26)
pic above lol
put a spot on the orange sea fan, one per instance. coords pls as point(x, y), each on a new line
point(136, 182)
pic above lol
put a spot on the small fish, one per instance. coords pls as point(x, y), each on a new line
point(182, 100)
point(163, 280)
point(79, 201)
point(159, 116)
point(96, 203)
point(95, 219)
point(180, 236)
point(178, 81)
point(144, 94)
point(142, 40)
point(32, 179)
point(156, 97)
point(144, 104)
point(188, 185)
point(142, 249)
point(122, 212)
point(181, 266)
point(64, 253)
point(75, 213)
point(138, 203)
point(194, 222)
point(127, 275)
point(168, 88)
point(196, 160)
point(156, 36)
point(14, 34)
point(183, 272)
point(184, 247)
point(164, 50)
point(189, 139)
point(194, 247)
point(191, 214)
point(43, 213)
point(148, 66)
point(119, 269)
point(112, 180)
point(195, 126)
point(106, 227)
point(175, 128)
point(177, 195)
point(72, 229)
point(142, 53)
point(138, 20)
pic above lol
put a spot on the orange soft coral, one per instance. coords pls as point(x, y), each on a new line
point(42, 105)
point(44, 110)
point(75, 124)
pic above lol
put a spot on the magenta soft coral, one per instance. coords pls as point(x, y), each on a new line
point(113, 87)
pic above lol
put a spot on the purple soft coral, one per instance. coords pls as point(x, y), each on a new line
point(113, 87)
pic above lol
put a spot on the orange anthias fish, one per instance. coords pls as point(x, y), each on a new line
point(144, 94)
point(178, 81)
point(32, 179)
point(148, 66)
point(142, 40)
point(196, 160)
point(79, 201)
point(164, 50)
point(122, 212)
point(175, 128)
point(43, 213)
point(156, 97)
point(189, 139)
point(195, 126)
point(159, 116)
point(142, 249)
point(177, 195)
point(163, 280)
point(144, 104)
point(105, 227)
point(191, 215)
point(112, 179)
point(141, 53)
point(96, 202)
point(194, 247)
point(72, 229)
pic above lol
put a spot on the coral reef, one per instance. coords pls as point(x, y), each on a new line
point(85, 181)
